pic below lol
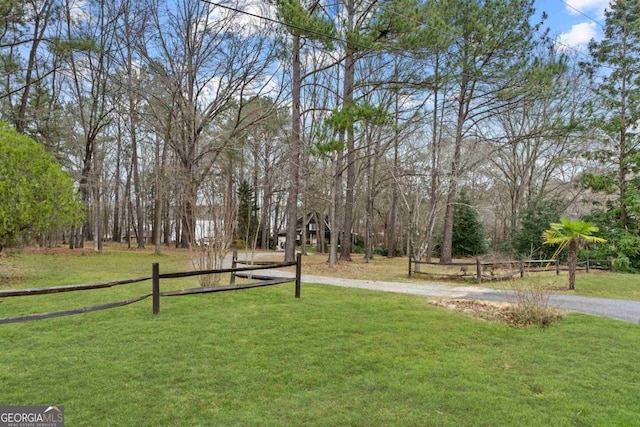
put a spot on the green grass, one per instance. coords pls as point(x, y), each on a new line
point(52, 269)
point(335, 357)
point(597, 284)
point(594, 284)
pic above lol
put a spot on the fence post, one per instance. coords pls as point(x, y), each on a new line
point(409, 265)
point(234, 261)
point(610, 259)
point(586, 266)
point(521, 269)
point(298, 274)
point(557, 267)
point(155, 287)
point(478, 270)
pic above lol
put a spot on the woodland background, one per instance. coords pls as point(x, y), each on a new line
point(422, 127)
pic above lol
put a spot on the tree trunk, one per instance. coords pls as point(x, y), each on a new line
point(294, 155)
point(127, 208)
point(334, 219)
point(116, 233)
point(188, 219)
point(72, 237)
point(157, 208)
point(447, 237)
point(393, 216)
point(371, 178)
point(349, 199)
point(623, 156)
point(97, 223)
point(277, 223)
point(573, 263)
point(320, 243)
point(305, 234)
point(97, 203)
point(265, 209)
point(136, 175)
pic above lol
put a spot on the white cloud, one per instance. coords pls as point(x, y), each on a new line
point(243, 17)
point(578, 36)
point(595, 7)
point(248, 21)
point(78, 11)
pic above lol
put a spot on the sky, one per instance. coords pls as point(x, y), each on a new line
point(574, 22)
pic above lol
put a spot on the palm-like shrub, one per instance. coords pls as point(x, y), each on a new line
point(571, 234)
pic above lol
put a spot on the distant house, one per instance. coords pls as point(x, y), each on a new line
point(313, 225)
point(148, 238)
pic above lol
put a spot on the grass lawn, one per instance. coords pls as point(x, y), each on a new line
point(336, 356)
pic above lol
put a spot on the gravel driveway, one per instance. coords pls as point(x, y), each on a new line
point(628, 311)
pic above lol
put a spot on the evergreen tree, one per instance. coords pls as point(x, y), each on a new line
point(614, 69)
point(468, 234)
point(622, 244)
point(247, 213)
point(534, 220)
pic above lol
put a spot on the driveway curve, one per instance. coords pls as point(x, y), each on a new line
point(628, 311)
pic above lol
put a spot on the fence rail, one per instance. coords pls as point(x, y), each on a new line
point(68, 288)
point(52, 314)
point(500, 270)
point(155, 277)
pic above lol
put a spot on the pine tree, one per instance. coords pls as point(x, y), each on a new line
point(490, 65)
point(534, 220)
point(615, 72)
point(247, 213)
point(468, 233)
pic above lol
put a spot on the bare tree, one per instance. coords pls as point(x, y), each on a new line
point(25, 27)
point(132, 23)
point(210, 72)
point(89, 89)
point(537, 138)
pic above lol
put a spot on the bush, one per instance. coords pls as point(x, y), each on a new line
point(357, 249)
point(382, 251)
point(622, 264)
point(531, 307)
point(238, 244)
point(36, 195)
point(621, 242)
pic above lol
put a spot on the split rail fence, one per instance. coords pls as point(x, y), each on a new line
point(501, 270)
point(155, 294)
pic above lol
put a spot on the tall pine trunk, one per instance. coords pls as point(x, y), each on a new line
point(294, 155)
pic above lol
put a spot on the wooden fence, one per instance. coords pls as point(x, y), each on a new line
point(500, 270)
point(155, 294)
